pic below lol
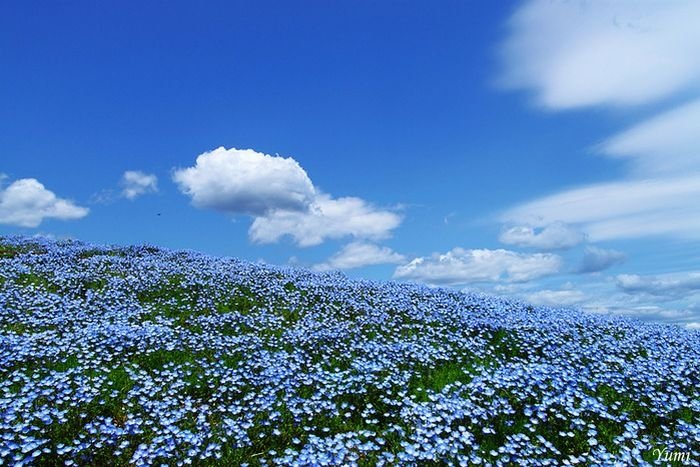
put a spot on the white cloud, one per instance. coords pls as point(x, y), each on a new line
point(575, 54)
point(578, 54)
point(281, 198)
point(666, 144)
point(136, 183)
point(605, 297)
point(326, 218)
point(618, 210)
point(26, 203)
point(243, 181)
point(672, 285)
point(556, 297)
point(646, 312)
point(460, 266)
point(552, 237)
point(598, 259)
point(359, 254)
point(620, 52)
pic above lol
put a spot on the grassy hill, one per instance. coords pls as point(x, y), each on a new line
point(140, 356)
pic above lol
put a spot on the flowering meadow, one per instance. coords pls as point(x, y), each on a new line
point(145, 356)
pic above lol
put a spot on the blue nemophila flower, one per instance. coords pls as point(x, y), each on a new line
point(156, 357)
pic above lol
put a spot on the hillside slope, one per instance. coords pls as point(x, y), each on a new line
point(118, 356)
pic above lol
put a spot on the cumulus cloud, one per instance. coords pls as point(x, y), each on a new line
point(136, 183)
point(580, 53)
point(461, 266)
point(281, 198)
point(326, 218)
point(26, 203)
point(672, 285)
point(556, 297)
point(598, 259)
point(556, 236)
point(359, 254)
point(243, 181)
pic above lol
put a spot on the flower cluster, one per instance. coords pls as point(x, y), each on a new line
point(144, 356)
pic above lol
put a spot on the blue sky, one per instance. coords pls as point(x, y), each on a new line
point(542, 150)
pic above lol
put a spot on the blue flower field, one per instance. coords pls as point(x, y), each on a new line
point(145, 356)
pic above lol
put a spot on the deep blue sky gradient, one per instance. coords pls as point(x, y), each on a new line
point(393, 102)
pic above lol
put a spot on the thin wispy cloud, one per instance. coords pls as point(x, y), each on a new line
point(621, 209)
point(577, 54)
point(574, 54)
point(668, 143)
point(622, 56)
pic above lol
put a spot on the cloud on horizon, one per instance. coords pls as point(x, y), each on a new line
point(460, 266)
point(360, 254)
point(672, 285)
point(555, 298)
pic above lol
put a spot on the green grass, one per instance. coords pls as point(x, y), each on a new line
point(435, 378)
point(176, 299)
point(31, 279)
point(12, 251)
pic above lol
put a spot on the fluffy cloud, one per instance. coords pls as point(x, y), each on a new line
point(359, 254)
point(580, 53)
point(243, 181)
point(325, 218)
point(555, 297)
point(619, 210)
point(552, 237)
point(136, 183)
point(598, 259)
point(26, 203)
point(673, 285)
point(281, 198)
point(461, 266)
